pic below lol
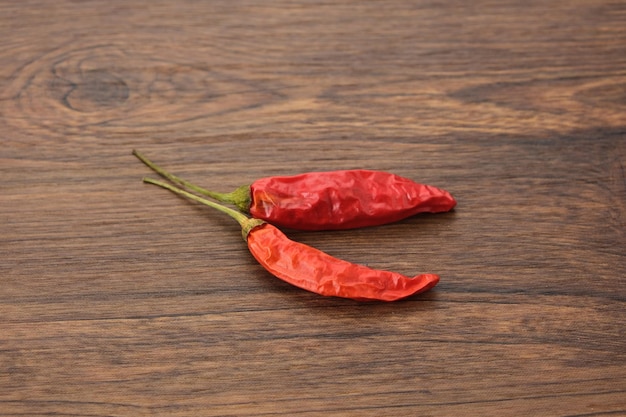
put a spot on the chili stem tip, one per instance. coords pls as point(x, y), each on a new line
point(225, 198)
point(241, 218)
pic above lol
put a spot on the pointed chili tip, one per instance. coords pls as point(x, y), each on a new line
point(431, 281)
point(452, 201)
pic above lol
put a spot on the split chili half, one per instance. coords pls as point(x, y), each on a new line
point(311, 269)
point(331, 200)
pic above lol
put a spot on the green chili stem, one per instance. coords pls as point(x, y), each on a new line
point(246, 223)
point(224, 197)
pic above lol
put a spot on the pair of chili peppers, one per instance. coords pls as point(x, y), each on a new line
point(322, 201)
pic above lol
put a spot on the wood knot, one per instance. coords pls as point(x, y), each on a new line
point(107, 90)
point(97, 90)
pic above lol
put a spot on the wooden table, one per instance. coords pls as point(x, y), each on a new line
point(120, 299)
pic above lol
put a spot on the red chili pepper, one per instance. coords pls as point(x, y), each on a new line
point(313, 270)
point(318, 272)
point(329, 200)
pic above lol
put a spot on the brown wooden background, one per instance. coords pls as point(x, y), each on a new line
point(119, 299)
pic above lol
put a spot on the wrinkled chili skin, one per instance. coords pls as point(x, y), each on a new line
point(318, 272)
point(343, 199)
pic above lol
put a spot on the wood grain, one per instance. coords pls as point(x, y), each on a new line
point(119, 299)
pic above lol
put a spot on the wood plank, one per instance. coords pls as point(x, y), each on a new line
point(118, 298)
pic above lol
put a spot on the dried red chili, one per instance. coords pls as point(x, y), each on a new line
point(318, 272)
point(313, 270)
point(329, 200)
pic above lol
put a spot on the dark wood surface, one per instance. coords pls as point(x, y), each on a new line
point(120, 299)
